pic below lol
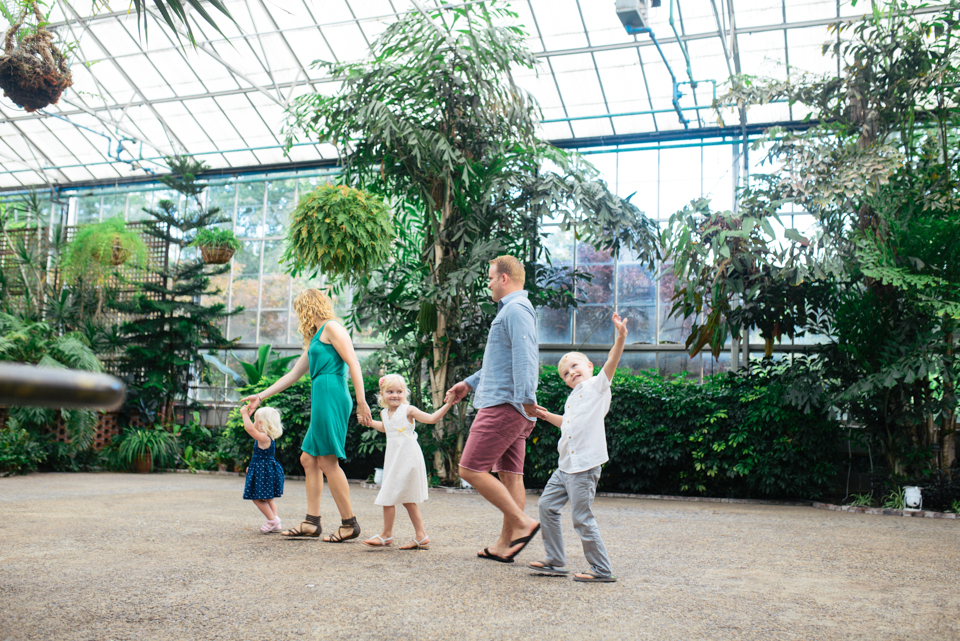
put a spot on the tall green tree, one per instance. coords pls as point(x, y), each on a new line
point(170, 326)
point(878, 172)
point(435, 123)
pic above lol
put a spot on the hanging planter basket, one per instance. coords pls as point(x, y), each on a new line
point(216, 255)
point(340, 232)
point(114, 254)
point(33, 71)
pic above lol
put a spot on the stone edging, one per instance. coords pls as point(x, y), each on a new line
point(859, 509)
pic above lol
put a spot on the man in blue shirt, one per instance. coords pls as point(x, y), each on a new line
point(505, 397)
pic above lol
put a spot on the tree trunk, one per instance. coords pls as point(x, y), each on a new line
point(441, 349)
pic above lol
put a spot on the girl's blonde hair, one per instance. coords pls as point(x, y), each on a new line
point(312, 307)
point(389, 380)
point(269, 419)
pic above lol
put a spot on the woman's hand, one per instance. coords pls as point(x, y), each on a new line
point(254, 401)
point(363, 413)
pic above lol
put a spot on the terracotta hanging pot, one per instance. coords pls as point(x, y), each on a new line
point(33, 71)
point(216, 255)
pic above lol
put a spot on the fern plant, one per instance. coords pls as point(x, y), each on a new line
point(98, 247)
point(339, 231)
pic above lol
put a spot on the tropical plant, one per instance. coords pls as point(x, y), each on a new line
point(174, 14)
point(216, 237)
point(268, 363)
point(880, 279)
point(436, 126)
point(861, 500)
point(36, 343)
point(342, 232)
point(894, 500)
point(172, 327)
point(145, 449)
point(33, 70)
point(98, 247)
point(20, 452)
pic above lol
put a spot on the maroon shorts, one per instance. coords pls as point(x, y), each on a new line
point(497, 441)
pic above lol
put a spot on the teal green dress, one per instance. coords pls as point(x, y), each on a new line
point(330, 402)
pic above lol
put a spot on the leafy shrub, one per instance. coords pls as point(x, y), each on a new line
point(216, 237)
point(339, 231)
point(91, 253)
point(729, 436)
point(294, 407)
point(20, 453)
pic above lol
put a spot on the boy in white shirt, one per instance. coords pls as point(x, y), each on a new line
point(583, 449)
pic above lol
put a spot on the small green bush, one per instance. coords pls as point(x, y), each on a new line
point(731, 436)
point(20, 453)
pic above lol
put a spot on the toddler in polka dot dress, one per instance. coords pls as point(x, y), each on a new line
point(264, 474)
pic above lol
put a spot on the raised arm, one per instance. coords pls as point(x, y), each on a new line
point(262, 439)
point(341, 342)
point(613, 359)
point(429, 419)
point(299, 368)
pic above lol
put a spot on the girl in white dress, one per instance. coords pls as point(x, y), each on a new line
point(404, 472)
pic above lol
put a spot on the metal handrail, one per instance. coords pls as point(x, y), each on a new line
point(29, 385)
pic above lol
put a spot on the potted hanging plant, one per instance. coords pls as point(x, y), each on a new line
point(33, 71)
point(217, 246)
point(97, 247)
point(339, 231)
point(142, 449)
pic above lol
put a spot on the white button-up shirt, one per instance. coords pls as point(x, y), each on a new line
point(583, 439)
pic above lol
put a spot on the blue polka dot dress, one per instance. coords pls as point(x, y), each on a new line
point(264, 474)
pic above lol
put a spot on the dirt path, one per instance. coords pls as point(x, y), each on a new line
point(177, 556)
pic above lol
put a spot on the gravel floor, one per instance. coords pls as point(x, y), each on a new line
point(178, 556)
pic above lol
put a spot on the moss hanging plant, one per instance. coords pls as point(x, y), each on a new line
point(33, 71)
point(339, 231)
point(217, 245)
point(98, 247)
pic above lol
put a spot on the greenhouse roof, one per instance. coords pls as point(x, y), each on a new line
point(138, 97)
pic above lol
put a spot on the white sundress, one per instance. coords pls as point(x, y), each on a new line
point(404, 471)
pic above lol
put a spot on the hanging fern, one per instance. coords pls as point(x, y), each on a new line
point(339, 231)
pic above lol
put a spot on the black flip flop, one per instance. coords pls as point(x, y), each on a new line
point(524, 540)
point(487, 554)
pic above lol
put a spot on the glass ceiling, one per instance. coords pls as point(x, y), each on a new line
point(136, 99)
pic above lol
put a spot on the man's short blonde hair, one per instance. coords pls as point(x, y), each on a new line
point(571, 356)
point(512, 267)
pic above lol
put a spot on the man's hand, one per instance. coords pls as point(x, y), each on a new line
point(531, 409)
point(457, 393)
point(538, 411)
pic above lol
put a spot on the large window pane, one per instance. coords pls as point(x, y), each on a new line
point(600, 287)
point(273, 327)
point(280, 202)
point(224, 198)
point(594, 324)
point(113, 205)
point(276, 290)
point(637, 362)
point(677, 362)
point(636, 286)
point(244, 327)
point(555, 325)
point(641, 323)
point(247, 259)
point(250, 210)
point(88, 209)
point(559, 244)
point(245, 291)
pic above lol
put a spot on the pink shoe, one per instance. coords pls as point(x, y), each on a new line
point(272, 525)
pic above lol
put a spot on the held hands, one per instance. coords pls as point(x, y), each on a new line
point(538, 411)
point(621, 325)
point(457, 393)
point(363, 414)
point(254, 402)
point(245, 411)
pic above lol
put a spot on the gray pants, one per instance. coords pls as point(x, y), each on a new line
point(579, 489)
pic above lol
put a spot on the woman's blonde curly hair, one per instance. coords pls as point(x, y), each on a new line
point(313, 308)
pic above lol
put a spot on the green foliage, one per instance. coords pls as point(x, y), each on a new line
point(861, 500)
point(156, 443)
point(294, 407)
point(88, 256)
point(216, 237)
point(173, 328)
point(174, 14)
point(268, 363)
point(894, 500)
point(20, 453)
point(339, 231)
point(731, 436)
point(436, 126)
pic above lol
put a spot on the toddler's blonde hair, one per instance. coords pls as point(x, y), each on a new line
point(569, 356)
point(387, 381)
point(269, 419)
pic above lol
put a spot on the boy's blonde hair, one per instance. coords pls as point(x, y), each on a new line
point(512, 267)
point(269, 419)
point(387, 381)
point(569, 356)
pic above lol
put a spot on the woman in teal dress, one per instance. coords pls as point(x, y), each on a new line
point(328, 355)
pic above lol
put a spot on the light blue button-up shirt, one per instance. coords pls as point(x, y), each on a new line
point(511, 358)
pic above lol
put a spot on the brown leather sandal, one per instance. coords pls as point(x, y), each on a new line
point(350, 523)
point(298, 533)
